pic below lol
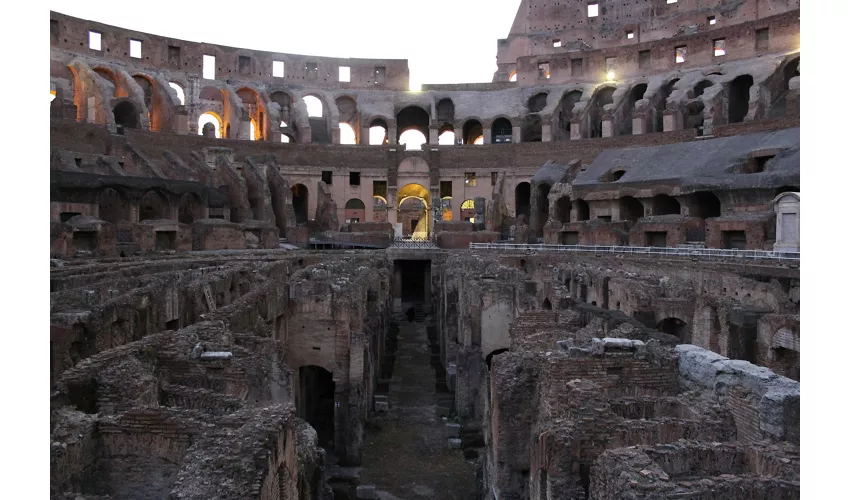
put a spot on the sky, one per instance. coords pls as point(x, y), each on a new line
point(444, 41)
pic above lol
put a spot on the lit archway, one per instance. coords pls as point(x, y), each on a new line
point(315, 109)
point(378, 132)
point(212, 119)
point(512, 76)
point(355, 211)
point(412, 139)
point(467, 211)
point(181, 95)
point(379, 209)
point(413, 118)
point(473, 132)
point(346, 134)
point(414, 203)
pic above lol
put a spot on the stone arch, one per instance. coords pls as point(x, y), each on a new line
point(739, 98)
point(256, 109)
point(355, 211)
point(501, 131)
point(546, 305)
point(522, 199)
point(112, 206)
point(473, 132)
point(467, 211)
point(210, 124)
point(108, 75)
point(489, 358)
point(676, 327)
point(663, 204)
point(565, 111)
point(582, 210)
point(379, 208)
point(631, 209)
point(126, 115)
point(602, 97)
point(378, 137)
point(190, 209)
point(316, 403)
point(284, 100)
point(415, 217)
point(300, 203)
point(699, 88)
point(661, 105)
point(211, 94)
point(563, 207)
point(532, 128)
point(705, 205)
point(445, 113)
point(412, 118)
point(349, 114)
point(537, 102)
point(152, 206)
point(636, 94)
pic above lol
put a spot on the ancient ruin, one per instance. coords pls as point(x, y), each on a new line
point(582, 280)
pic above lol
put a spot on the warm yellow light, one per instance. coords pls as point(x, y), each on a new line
point(610, 75)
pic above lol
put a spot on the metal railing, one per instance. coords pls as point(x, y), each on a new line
point(416, 243)
point(718, 253)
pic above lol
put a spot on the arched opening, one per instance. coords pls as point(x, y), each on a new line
point(537, 102)
point(413, 211)
point(473, 132)
point(283, 100)
point(489, 358)
point(378, 132)
point(630, 209)
point(126, 116)
point(563, 207)
point(148, 92)
point(467, 211)
point(522, 199)
point(565, 112)
point(209, 125)
point(153, 206)
point(501, 132)
point(542, 207)
point(512, 76)
point(705, 205)
point(315, 109)
point(181, 94)
point(447, 208)
point(285, 138)
point(792, 69)
point(546, 306)
point(699, 89)
point(253, 104)
point(109, 77)
point(189, 209)
point(300, 198)
point(661, 105)
point(413, 118)
point(676, 327)
point(582, 211)
point(445, 113)
point(316, 402)
point(604, 96)
point(447, 136)
point(355, 211)
point(739, 98)
point(532, 128)
point(663, 204)
point(346, 134)
point(112, 207)
point(412, 139)
point(635, 95)
point(379, 209)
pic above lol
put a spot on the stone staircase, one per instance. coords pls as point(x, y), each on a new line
point(419, 311)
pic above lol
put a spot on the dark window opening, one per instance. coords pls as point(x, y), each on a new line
point(379, 188)
point(576, 67)
point(244, 64)
point(762, 38)
point(316, 402)
point(445, 188)
point(173, 55)
point(300, 197)
point(734, 240)
point(739, 98)
point(537, 102)
point(656, 238)
point(494, 176)
point(582, 211)
point(644, 59)
point(522, 199)
point(327, 177)
point(354, 178)
point(66, 216)
point(502, 131)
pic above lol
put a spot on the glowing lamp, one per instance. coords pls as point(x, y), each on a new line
point(610, 75)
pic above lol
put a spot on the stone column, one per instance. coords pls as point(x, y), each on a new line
point(334, 135)
point(547, 133)
point(433, 136)
point(608, 127)
point(364, 135)
point(638, 125)
point(516, 134)
point(391, 133)
point(575, 130)
point(488, 135)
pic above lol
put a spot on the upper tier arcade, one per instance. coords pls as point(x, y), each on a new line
point(584, 40)
point(71, 34)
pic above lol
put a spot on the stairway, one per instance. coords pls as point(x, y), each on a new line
point(419, 313)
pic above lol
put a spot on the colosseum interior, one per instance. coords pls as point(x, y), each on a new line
point(580, 280)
